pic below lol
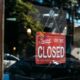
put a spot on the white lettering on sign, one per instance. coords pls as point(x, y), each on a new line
point(46, 41)
point(51, 52)
point(58, 40)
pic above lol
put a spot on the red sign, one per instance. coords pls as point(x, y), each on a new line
point(50, 48)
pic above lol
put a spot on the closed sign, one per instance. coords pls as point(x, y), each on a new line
point(50, 48)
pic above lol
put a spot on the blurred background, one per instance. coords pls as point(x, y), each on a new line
point(23, 18)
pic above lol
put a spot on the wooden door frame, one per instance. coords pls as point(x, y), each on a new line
point(1, 35)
